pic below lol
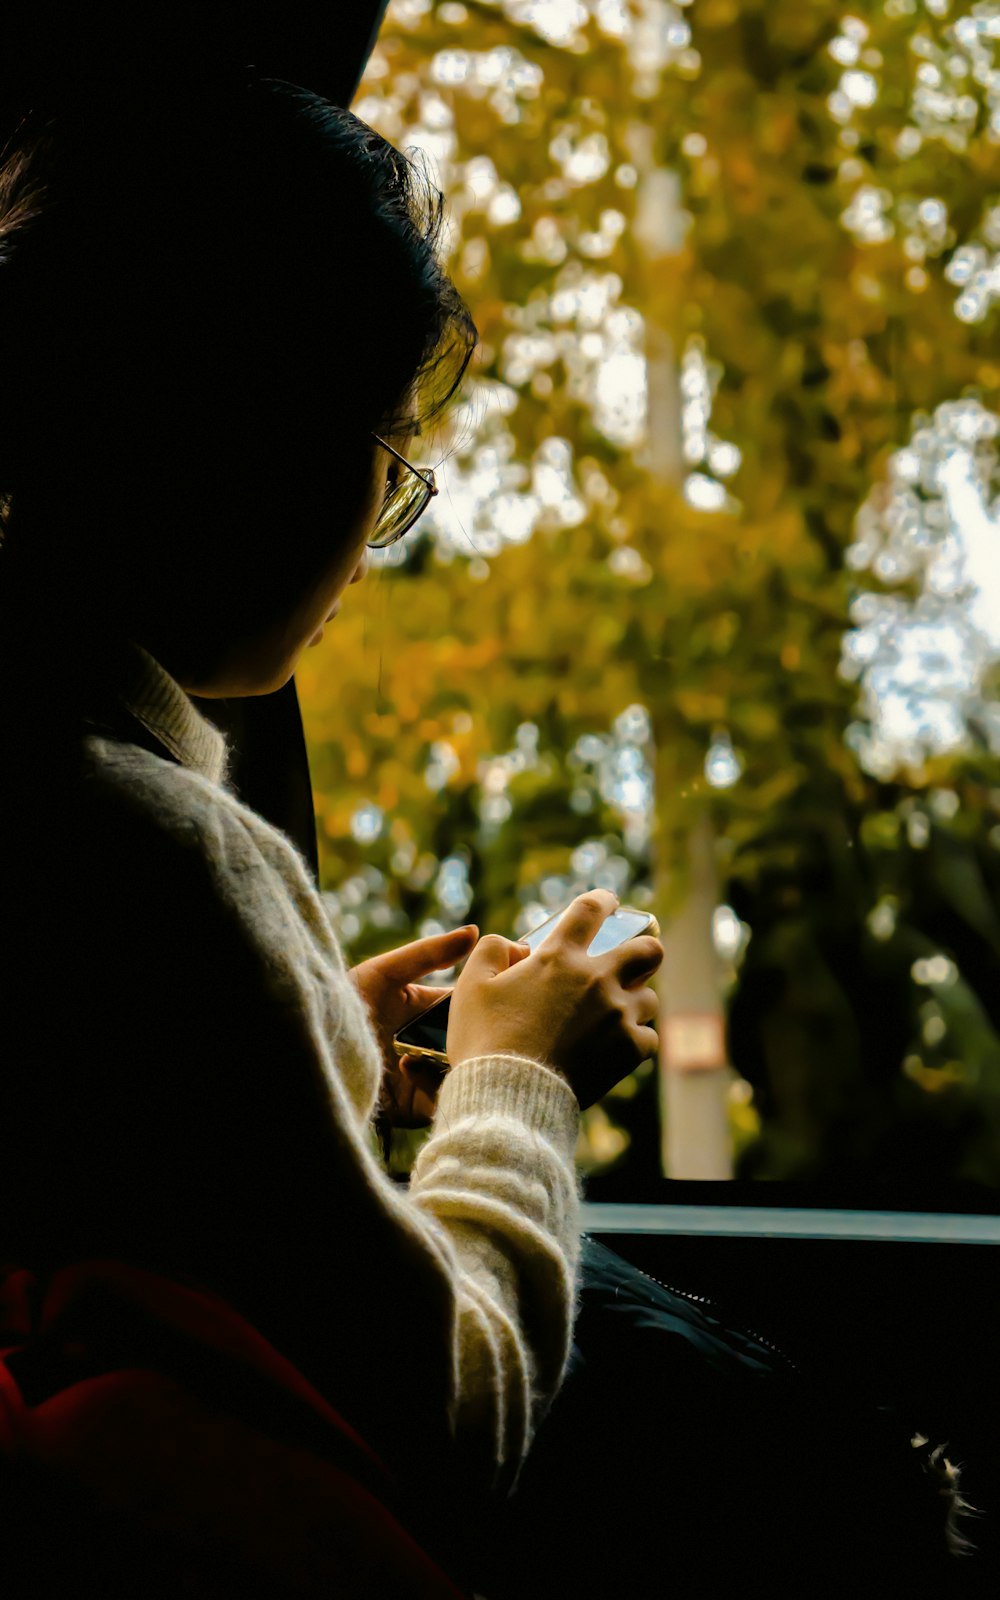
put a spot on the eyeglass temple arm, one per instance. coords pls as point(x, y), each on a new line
point(408, 464)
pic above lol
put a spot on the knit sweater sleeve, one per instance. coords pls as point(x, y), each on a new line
point(497, 1176)
point(435, 1317)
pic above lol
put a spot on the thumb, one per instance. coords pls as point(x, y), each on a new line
point(433, 954)
point(444, 949)
point(494, 954)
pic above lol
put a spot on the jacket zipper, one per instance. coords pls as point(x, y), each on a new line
point(702, 1299)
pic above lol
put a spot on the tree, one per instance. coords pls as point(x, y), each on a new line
point(731, 214)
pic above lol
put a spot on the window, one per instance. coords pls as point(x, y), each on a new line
point(708, 607)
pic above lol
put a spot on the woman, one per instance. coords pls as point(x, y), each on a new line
point(224, 328)
point(224, 325)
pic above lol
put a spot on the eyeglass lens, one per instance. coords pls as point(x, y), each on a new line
point(403, 505)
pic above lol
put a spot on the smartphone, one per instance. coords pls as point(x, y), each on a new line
point(427, 1034)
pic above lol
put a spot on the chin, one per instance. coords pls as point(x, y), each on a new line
point(273, 684)
point(248, 684)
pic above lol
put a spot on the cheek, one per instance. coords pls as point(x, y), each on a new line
point(352, 560)
point(376, 498)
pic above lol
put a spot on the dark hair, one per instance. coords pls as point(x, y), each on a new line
point(207, 282)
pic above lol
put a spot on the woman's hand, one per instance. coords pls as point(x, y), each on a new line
point(589, 1017)
point(390, 989)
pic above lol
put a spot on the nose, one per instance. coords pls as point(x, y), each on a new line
point(361, 568)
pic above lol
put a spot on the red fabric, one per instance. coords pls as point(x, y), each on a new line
point(152, 1443)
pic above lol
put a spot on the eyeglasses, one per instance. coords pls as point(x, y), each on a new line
point(404, 501)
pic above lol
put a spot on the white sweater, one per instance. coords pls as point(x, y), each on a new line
point(438, 1317)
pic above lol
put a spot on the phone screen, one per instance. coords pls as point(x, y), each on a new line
point(430, 1031)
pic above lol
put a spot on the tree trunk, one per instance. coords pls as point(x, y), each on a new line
point(694, 1077)
point(695, 1139)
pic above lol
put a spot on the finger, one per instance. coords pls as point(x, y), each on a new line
point(646, 1041)
point(425, 1078)
point(584, 916)
point(420, 996)
point(422, 1072)
point(495, 954)
point(645, 1006)
point(639, 958)
point(424, 1106)
point(434, 954)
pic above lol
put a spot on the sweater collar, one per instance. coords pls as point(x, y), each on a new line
point(156, 699)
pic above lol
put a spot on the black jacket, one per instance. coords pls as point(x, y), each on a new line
point(686, 1457)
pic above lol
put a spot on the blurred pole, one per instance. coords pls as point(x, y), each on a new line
point(694, 1076)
